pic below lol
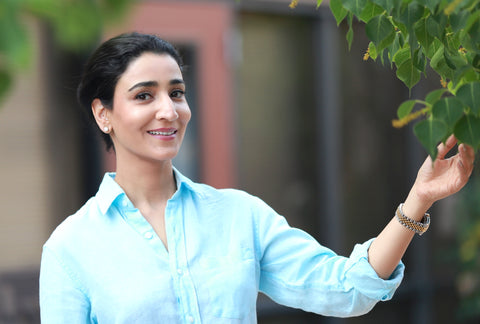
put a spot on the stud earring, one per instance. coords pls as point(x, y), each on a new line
point(106, 129)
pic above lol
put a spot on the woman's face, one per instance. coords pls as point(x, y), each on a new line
point(150, 113)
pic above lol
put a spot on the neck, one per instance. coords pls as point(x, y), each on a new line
point(146, 183)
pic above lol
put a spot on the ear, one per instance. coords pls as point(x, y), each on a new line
point(101, 114)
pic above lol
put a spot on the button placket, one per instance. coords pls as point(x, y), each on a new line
point(184, 286)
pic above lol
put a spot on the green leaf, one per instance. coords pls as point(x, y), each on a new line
point(433, 48)
point(430, 4)
point(372, 50)
point(355, 6)
point(476, 61)
point(388, 5)
point(430, 132)
point(474, 33)
point(15, 47)
point(435, 95)
point(338, 11)
point(449, 110)
point(434, 28)
point(371, 10)
point(412, 13)
point(401, 56)
point(464, 75)
point(467, 130)
point(469, 94)
point(439, 64)
point(380, 31)
point(408, 73)
point(459, 21)
point(319, 3)
point(419, 60)
point(405, 108)
point(448, 60)
point(423, 37)
point(5, 82)
point(350, 30)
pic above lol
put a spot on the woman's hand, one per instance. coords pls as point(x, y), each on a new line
point(435, 181)
point(444, 177)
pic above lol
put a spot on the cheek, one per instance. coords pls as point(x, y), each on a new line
point(185, 114)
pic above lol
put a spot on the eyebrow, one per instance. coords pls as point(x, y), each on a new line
point(155, 84)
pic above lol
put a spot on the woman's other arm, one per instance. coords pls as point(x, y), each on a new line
point(434, 181)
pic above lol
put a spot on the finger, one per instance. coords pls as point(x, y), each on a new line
point(444, 148)
point(467, 155)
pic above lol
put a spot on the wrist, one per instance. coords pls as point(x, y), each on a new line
point(415, 206)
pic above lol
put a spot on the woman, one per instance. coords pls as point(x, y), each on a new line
point(154, 247)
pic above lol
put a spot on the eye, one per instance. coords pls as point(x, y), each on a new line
point(143, 96)
point(177, 94)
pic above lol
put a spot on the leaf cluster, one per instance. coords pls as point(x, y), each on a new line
point(413, 35)
point(76, 25)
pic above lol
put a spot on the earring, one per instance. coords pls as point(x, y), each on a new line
point(106, 129)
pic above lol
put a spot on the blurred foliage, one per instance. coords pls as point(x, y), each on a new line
point(468, 250)
point(413, 35)
point(76, 25)
point(443, 35)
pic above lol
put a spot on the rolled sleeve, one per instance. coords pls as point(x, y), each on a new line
point(296, 271)
point(364, 278)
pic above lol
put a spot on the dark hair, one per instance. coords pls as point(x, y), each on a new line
point(107, 64)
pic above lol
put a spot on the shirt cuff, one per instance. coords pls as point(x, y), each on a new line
point(365, 279)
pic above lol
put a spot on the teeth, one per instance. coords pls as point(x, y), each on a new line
point(161, 133)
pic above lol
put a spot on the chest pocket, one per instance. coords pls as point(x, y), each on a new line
point(229, 285)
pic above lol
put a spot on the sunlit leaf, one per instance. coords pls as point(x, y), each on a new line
point(467, 130)
point(405, 108)
point(338, 11)
point(469, 94)
point(435, 95)
point(430, 132)
point(372, 50)
point(402, 56)
point(371, 10)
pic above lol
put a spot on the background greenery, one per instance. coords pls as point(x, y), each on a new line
point(413, 37)
point(76, 25)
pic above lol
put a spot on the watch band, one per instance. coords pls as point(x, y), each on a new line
point(417, 227)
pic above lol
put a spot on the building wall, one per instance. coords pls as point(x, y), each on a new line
point(24, 190)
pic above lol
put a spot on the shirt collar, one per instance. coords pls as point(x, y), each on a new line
point(109, 189)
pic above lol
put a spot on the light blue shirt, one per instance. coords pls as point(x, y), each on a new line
point(105, 264)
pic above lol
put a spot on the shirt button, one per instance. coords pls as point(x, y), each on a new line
point(190, 319)
point(124, 203)
point(180, 272)
point(148, 235)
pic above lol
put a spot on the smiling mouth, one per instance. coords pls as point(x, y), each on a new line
point(169, 133)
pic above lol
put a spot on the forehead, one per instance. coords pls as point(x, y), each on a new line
point(151, 66)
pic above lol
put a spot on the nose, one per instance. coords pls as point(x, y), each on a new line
point(166, 109)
